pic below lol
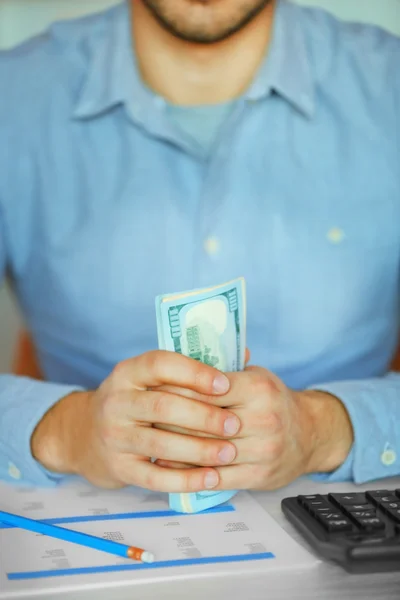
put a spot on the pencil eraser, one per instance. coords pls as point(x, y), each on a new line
point(197, 502)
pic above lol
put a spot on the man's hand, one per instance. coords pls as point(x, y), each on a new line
point(107, 436)
point(283, 434)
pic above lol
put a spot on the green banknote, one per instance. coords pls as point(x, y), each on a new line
point(208, 325)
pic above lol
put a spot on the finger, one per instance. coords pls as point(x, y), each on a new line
point(249, 451)
point(247, 356)
point(256, 451)
point(147, 441)
point(221, 401)
point(169, 464)
point(192, 395)
point(162, 367)
point(240, 477)
point(238, 393)
point(241, 388)
point(184, 431)
point(153, 477)
point(169, 409)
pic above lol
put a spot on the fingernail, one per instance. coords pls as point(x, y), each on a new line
point(211, 480)
point(221, 384)
point(231, 425)
point(227, 454)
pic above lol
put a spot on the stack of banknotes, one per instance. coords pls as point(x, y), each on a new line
point(208, 325)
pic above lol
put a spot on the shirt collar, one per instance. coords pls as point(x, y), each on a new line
point(111, 71)
point(286, 69)
point(113, 76)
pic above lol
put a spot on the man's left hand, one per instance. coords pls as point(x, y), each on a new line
point(284, 433)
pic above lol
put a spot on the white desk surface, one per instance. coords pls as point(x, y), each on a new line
point(324, 582)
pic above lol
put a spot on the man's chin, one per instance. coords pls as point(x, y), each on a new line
point(205, 22)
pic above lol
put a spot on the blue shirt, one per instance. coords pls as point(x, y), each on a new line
point(201, 123)
point(105, 203)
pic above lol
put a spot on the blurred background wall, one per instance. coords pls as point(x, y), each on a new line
point(20, 19)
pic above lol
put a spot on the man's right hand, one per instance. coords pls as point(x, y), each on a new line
point(107, 436)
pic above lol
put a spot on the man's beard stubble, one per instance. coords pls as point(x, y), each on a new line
point(179, 17)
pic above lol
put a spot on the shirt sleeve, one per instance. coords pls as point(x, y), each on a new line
point(374, 409)
point(23, 403)
point(373, 404)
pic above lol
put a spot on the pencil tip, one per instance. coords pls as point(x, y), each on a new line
point(147, 557)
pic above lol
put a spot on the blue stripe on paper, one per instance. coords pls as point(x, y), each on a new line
point(141, 566)
point(131, 515)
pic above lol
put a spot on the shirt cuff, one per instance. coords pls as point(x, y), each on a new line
point(374, 409)
point(23, 404)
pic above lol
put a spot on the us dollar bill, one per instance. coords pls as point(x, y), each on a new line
point(208, 325)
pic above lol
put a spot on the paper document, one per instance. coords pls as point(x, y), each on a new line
point(220, 541)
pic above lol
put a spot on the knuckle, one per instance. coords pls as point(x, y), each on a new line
point(119, 371)
point(263, 384)
point(157, 448)
point(188, 481)
point(268, 451)
point(161, 406)
point(156, 361)
point(213, 419)
point(153, 360)
point(201, 375)
point(209, 452)
point(271, 422)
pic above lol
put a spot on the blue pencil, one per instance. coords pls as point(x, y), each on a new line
point(76, 537)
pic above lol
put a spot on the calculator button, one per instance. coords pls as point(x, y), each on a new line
point(307, 498)
point(311, 503)
point(387, 499)
point(323, 510)
point(314, 504)
point(363, 514)
point(348, 499)
point(366, 538)
point(357, 507)
point(394, 514)
point(337, 525)
point(330, 516)
point(371, 524)
point(375, 495)
point(391, 505)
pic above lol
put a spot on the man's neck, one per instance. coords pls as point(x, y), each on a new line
point(192, 74)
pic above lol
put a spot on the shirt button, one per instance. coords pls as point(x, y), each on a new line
point(388, 457)
point(212, 246)
point(335, 235)
point(13, 471)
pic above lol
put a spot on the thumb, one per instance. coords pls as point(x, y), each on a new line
point(247, 357)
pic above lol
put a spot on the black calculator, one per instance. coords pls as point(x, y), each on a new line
point(359, 531)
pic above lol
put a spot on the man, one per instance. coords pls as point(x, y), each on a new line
point(171, 144)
